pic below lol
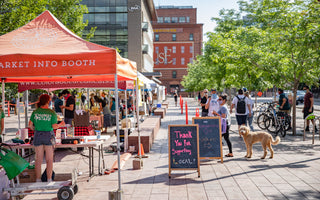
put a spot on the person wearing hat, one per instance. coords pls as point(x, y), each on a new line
point(242, 106)
point(212, 103)
point(203, 102)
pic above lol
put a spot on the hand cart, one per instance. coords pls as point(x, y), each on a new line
point(66, 189)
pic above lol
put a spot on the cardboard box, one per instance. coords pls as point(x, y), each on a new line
point(28, 176)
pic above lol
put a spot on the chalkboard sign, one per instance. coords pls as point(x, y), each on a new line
point(183, 147)
point(210, 142)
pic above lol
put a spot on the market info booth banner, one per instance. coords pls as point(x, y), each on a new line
point(183, 148)
point(23, 86)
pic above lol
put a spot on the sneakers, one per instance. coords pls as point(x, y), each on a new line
point(307, 129)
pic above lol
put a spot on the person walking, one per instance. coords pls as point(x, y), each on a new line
point(69, 107)
point(250, 119)
point(308, 106)
point(223, 112)
point(203, 102)
point(212, 103)
point(43, 120)
point(175, 96)
point(242, 107)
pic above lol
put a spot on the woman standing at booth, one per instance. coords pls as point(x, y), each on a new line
point(43, 120)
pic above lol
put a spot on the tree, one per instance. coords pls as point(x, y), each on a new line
point(276, 43)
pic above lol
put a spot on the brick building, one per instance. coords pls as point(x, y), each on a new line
point(177, 41)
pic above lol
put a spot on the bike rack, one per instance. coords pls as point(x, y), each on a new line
point(314, 125)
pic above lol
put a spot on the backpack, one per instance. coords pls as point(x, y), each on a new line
point(241, 105)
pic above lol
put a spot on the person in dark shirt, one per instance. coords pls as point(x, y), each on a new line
point(203, 102)
point(58, 103)
point(308, 106)
point(175, 98)
point(69, 107)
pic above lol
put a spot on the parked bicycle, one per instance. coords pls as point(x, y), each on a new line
point(274, 121)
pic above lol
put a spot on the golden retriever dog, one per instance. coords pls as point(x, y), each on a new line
point(260, 136)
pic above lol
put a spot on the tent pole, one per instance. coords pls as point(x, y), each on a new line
point(137, 110)
point(18, 110)
point(134, 105)
point(3, 95)
point(118, 134)
point(126, 129)
point(3, 102)
point(88, 99)
point(26, 102)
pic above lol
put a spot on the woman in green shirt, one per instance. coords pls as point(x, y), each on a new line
point(43, 120)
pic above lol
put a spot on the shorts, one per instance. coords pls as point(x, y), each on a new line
point(43, 138)
point(306, 112)
point(241, 119)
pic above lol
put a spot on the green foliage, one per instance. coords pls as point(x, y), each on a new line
point(16, 13)
point(275, 44)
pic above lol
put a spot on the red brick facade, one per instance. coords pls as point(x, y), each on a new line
point(177, 42)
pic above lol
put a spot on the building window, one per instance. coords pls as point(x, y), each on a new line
point(174, 19)
point(160, 19)
point(182, 49)
point(157, 61)
point(167, 20)
point(182, 19)
point(156, 37)
point(173, 61)
point(174, 74)
point(173, 49)
point(190, 60)
point(182, 61)
point(191, 49)
point(174, 37)
point(188, 19)
point(165, 48)
point(157, 49)
point(191, 37)
point(165, 61)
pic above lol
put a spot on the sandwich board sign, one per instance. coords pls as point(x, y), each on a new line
point(210, 141)
point(183, 142)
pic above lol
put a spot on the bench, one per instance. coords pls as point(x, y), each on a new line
point(148, 132)
point(160, 112)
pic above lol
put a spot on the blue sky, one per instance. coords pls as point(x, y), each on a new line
point(206, 9)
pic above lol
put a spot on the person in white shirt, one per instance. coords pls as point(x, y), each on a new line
point(249, 119)
point(242, 106)
point(212, 103)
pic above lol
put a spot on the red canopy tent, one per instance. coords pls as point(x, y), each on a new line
point(44, 50)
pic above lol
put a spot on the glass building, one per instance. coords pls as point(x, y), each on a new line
point(126, 25)
point(111, 19)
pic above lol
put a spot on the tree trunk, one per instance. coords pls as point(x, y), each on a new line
point(294, 107)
